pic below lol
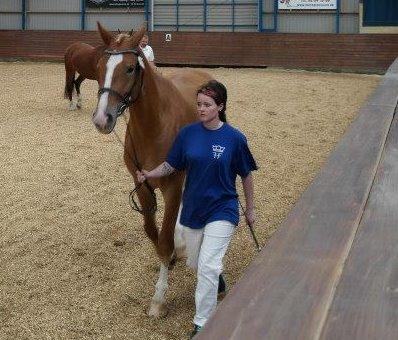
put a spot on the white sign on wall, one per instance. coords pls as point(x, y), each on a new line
point(307, 4)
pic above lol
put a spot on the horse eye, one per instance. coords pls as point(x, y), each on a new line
point(130, 70)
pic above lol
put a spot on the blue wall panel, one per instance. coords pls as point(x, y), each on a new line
point(380, 13)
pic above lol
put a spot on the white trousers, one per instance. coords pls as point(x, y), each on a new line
point(205, 250)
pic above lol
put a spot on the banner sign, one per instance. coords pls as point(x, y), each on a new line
point(307, 4)
point(114, 3)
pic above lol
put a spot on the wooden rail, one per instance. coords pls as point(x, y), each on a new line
point(330, 271)
point(341, 52)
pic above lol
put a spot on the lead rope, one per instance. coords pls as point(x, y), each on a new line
point(133, 203)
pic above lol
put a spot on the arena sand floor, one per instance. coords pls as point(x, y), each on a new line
point(74, 260)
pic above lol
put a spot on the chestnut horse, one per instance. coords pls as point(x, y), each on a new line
point(159, 107)
point(82, 58)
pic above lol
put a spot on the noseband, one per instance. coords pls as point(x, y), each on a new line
point(127, 99)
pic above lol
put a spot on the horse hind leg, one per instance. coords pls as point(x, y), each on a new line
point(179, 240)
point(78, 82)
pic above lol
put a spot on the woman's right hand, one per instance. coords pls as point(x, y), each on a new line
point(142, 175)
point(250, 215)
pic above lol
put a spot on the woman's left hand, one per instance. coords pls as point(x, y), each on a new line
point(250, 216)
point(141, 175)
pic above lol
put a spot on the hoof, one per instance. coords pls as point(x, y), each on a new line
point(79, 103)
point(157, 310)
point(172, 262)
point(72, 106)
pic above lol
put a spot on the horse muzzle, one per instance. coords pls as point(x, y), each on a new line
point(105, 121)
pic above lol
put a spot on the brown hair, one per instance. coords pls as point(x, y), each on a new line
point(218, 92)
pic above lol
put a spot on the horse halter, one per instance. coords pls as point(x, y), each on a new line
point(125, 100)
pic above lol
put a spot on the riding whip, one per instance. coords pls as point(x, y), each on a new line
point(254, 236)
point(251, 229)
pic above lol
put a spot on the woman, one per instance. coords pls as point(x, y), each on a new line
point(147, 50)
point(212, 153)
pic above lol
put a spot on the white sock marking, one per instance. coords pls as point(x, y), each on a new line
point(161, 285)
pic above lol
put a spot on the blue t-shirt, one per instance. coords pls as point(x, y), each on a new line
point(212, 160)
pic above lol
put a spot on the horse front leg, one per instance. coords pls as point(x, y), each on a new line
point(146, 201)
point(158, 307)
point(166, 251)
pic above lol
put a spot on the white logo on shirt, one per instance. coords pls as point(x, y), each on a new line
point(218, 151)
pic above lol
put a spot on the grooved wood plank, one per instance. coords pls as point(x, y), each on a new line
point(366, 301)
point(287, 291)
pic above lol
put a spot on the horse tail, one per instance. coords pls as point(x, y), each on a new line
point(69, 76)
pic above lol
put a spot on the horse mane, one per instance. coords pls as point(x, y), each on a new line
point(121, 37)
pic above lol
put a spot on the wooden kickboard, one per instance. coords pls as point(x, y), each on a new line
point(287, 291)
point(365, 305)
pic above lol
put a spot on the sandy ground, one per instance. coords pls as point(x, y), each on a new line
point(74, 260)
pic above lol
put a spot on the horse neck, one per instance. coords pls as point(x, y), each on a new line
point(98, 52)
point(148, 110)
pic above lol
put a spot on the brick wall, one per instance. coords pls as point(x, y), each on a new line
point(346, 52)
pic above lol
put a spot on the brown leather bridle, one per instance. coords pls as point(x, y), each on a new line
point(127, 99)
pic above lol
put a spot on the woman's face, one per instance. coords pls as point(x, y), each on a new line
point(207, 108)
point(144, 41)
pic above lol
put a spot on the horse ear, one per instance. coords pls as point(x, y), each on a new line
point(105, 35)
point(136, 38)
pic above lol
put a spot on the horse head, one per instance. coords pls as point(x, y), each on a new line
point(119, 77)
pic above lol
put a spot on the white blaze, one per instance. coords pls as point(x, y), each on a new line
point(113, 61)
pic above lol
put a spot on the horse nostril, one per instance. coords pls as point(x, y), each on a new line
point(109, 118)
